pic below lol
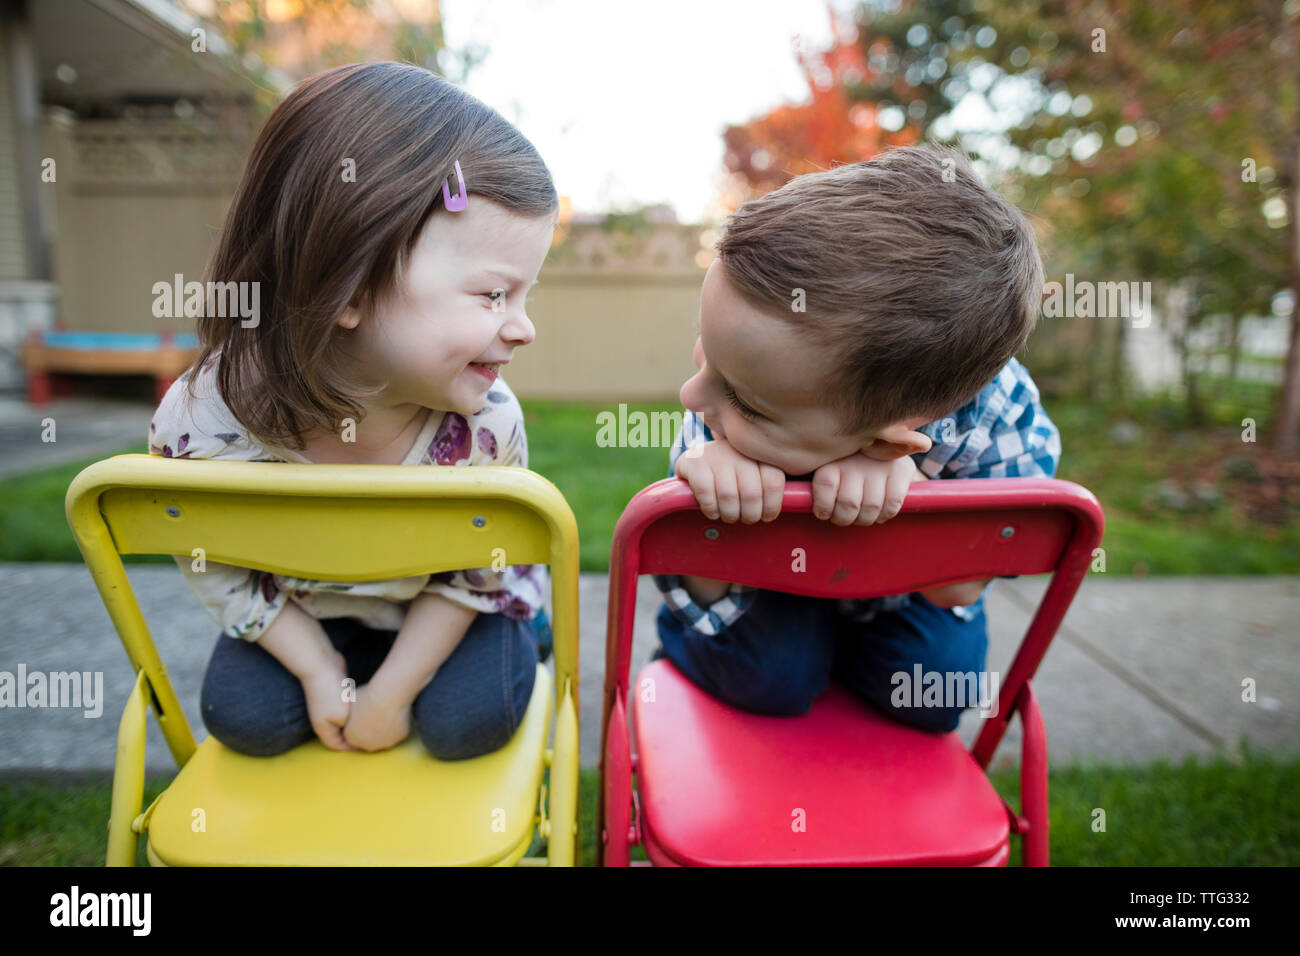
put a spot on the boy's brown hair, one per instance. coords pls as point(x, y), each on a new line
point(318, 241)
point(919, 282)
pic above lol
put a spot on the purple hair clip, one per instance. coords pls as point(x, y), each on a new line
point(459, 201)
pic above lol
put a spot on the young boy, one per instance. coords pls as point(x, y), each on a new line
point(858, 328)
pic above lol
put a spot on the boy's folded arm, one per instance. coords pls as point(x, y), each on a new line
point(705, 591)
point(953, 595)
point(1020, 442)
point(706, 617)
point(956, 595)
point(706, 605)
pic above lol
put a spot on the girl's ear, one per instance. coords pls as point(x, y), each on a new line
point(350, 318)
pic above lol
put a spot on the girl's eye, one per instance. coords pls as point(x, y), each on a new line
point(740, 406)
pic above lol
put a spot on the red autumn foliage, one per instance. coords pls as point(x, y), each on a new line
point(830, 128)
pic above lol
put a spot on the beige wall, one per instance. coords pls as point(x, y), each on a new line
point(614, 337)
point(136, 203)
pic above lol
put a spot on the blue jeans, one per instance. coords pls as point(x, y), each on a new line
point(782, 652)
point(253, 704)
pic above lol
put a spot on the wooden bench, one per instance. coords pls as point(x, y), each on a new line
point(164, 356)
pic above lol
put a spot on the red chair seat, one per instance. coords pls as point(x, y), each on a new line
point(721, 787)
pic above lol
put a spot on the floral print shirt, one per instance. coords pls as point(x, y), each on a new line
point(244, 602)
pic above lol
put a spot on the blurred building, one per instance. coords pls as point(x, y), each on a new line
point(122, 133)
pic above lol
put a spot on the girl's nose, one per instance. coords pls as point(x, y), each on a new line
point(519, 331)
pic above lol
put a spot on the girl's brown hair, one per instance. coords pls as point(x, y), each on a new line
point(318, 240)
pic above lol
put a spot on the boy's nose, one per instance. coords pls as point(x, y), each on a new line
point(689, 395)
point(692, 388)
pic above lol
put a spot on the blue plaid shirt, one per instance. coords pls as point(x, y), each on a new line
point(1002, 432)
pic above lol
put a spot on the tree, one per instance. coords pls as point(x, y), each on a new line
point(830, 128)
point(1148, 131)
point(302, 37)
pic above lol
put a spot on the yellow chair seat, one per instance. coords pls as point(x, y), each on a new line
point(319, 807)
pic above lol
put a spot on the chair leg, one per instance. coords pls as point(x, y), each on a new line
point(1033, 779)
point(561, 842)
point(128, 779)
point(616, 784)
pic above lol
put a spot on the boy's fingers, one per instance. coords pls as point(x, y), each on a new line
point(773, 491)
point(825, 487)
point(704, 485)
point(701, 482)
point(873, 495)
point(750, 484)
point(893, 501)
point(728, 495)
point(896, 492)
point(850, 499)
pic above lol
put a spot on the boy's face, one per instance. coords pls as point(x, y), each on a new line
point(779, 379)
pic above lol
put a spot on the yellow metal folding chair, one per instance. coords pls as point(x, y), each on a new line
point(313, 805)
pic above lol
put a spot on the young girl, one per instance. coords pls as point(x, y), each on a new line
point(387, 228)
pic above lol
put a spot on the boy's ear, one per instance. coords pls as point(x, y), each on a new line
point(895, 441)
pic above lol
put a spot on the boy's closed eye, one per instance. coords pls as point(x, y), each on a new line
point(738, 405)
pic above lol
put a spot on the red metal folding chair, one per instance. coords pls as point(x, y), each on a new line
point(842, 784)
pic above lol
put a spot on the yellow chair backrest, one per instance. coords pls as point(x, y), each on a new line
point(321, 522)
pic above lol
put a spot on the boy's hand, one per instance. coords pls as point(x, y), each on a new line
point(377, 721)
point(326, 707)
point(862, 490)
point(729, 485)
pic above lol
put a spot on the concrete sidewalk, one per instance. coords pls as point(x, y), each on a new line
point(89, 427)
point(1141, 669)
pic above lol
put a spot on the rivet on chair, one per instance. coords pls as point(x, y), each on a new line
point(1008, 531)
point(711, 533)
point(173, 511)
point(479, 521)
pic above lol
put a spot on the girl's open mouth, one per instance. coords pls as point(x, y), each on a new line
point(487, 371)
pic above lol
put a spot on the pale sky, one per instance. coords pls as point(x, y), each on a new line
point(626, 101)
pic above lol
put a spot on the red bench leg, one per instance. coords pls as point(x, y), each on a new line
point(38, 389)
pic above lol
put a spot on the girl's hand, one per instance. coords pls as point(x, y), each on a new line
point(862, 490)
point(378, 721)
point(729, 485)
point(326, 705)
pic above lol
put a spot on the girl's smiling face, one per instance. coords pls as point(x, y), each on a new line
point(462, 303)
point(767, 397)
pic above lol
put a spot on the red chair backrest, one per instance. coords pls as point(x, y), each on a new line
point(947, 531)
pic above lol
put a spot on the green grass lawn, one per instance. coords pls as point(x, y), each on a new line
point(1191, 814)
point(1144, 533)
